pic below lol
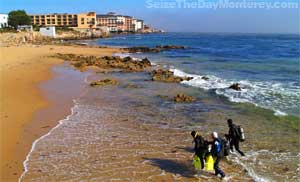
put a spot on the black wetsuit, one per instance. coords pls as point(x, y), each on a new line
point(200, 148)
point(216, 152)
point(234, 139)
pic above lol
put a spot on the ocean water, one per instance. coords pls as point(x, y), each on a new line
point(117, 133)
point(266, 66)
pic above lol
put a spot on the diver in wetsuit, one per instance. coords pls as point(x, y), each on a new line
point(216, 151)
point(233, 136)
point(201, 147)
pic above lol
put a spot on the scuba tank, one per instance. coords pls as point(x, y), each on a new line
point(242, 134)
point(209, 163)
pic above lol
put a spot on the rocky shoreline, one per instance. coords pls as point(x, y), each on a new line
point(129, 64)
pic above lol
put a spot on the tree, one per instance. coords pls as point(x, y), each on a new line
point(18, 17)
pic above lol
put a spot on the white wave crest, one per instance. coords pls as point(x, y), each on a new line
point(275, 96)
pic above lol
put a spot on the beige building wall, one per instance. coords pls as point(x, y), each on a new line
point(86, 20)
point(81, 21)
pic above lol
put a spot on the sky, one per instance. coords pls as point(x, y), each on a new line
point(177, 18)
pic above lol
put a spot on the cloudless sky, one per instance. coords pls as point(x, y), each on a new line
point(174, 19)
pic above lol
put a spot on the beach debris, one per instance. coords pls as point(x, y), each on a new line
point(167, 76)
point(156, 49)
point(104, 82)
point(183, 98)
point(235, 86)
point(106, 62)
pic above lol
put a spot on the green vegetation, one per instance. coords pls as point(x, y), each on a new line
point(36, 28)
point(18, 17)
point(8, 30)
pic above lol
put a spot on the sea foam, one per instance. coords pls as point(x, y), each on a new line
point(268, 95)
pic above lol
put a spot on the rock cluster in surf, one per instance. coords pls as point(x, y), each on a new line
point(167, 76)
point(104, 82)
point(236, 87)
point(106, 62)
point(184, 98)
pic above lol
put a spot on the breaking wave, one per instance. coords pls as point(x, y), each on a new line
point(283, 99)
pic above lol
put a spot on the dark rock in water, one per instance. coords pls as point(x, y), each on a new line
point(141, 49)
point(104, 82)
point(167, 76)
point(106, 62)
point(170, 47)
point(127, 59)
point(146, 62)
point(183, 98)
point(156, 49)
point(204, 78)
point(235, 86)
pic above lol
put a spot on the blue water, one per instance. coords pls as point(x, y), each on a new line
point(266, 66)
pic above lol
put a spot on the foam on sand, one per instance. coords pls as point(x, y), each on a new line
point(25, 163)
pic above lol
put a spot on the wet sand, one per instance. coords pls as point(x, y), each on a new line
point(108, 139)
point(118, 134)
point(23, 69)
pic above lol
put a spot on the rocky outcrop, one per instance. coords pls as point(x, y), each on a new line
point(156, 49)
point(167, 76)
point(166, 47)
point(104, 82)
point(236, 87)
point(183, 98)
point(106, 62)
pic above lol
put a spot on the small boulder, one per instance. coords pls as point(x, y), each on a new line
point(167, 76)
point(184, 98)
point(235, 86)
point(204, 78)
point(145, 62)
point(104, 82)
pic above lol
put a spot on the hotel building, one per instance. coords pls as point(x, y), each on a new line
point(119, 23)
point(79, 21)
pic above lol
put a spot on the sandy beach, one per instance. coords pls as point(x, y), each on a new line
point(23, 68)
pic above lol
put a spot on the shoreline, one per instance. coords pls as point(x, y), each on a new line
point(56, 125)
point(48, 126)
point(31, 66)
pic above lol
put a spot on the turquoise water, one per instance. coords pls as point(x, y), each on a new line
point(266, 66)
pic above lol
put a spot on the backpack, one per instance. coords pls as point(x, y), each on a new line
point(240, 133)
point(217, 147)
